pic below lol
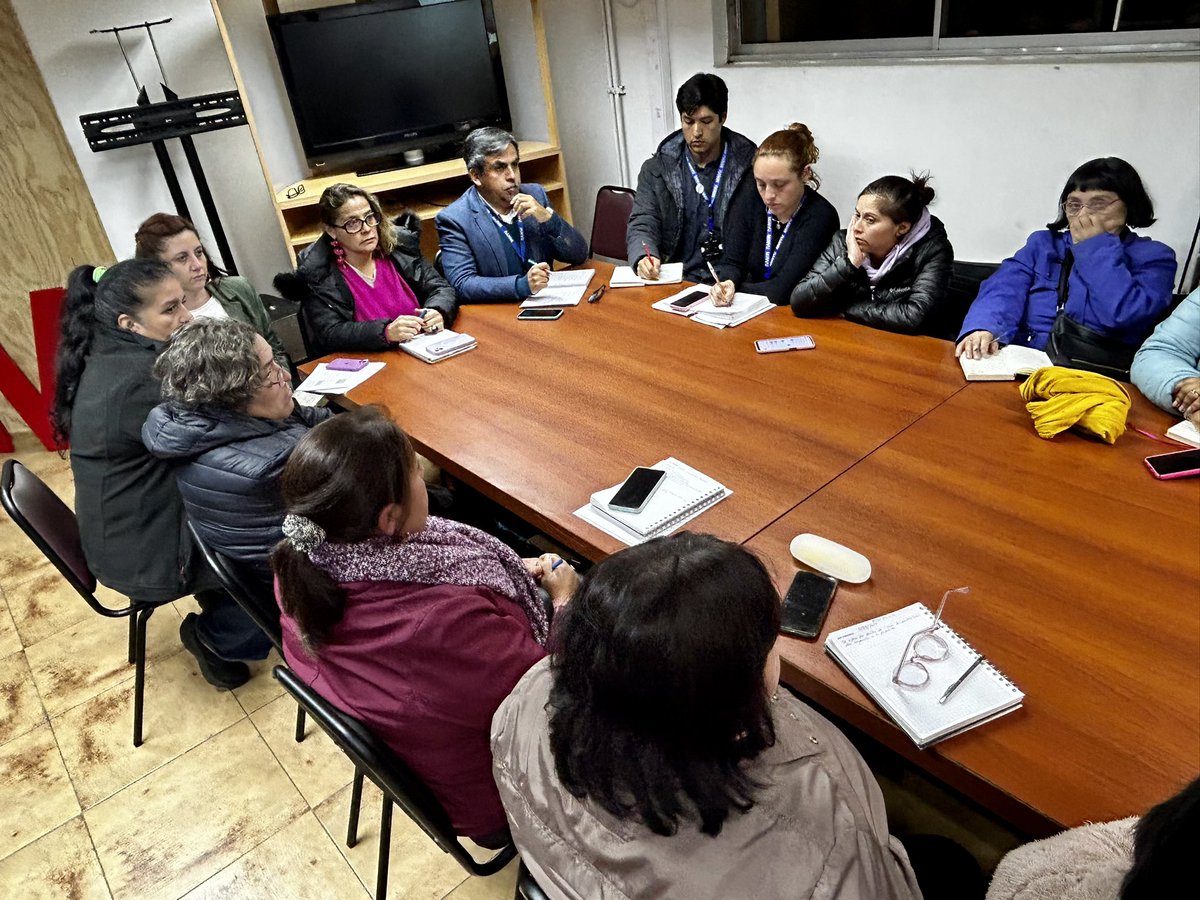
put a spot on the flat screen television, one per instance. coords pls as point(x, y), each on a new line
point(367, 81)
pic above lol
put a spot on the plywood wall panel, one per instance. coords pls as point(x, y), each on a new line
point(48, 223)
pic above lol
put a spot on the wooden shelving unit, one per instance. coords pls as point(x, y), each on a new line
point(424, 190)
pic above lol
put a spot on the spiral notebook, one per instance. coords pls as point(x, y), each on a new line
point(870, 652)
point(683, 495)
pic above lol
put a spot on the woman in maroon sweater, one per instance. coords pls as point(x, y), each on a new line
point(416, 625)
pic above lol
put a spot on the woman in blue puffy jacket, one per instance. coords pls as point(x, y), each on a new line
point(1119, 283)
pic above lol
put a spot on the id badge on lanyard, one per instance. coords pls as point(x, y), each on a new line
point(518, 246)
point(716, 189)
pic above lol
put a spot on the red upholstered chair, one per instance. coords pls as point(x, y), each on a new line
point(611, 220)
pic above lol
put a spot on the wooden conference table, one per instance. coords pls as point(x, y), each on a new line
point(1085, 571)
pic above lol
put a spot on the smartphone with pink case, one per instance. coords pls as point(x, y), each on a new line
point(1180, 464)
point(343, 364)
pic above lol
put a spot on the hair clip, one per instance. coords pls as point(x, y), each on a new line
point(98, 273)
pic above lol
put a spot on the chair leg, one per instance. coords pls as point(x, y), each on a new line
point(139, 670)
point(385, 848)
point(355, 803)
point(132, 636)
point(299, 723)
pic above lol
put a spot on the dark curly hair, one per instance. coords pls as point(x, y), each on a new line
point(658, 696)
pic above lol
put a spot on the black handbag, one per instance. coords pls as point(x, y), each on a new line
point(1078, 347)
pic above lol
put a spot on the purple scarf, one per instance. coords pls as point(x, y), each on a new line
point(444, 552)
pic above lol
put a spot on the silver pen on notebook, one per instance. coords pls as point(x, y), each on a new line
point(961, 678)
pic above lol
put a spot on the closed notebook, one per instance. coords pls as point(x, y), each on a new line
point(681, 495)
point(870, 652)
point(435, 347)
point(1013, 360)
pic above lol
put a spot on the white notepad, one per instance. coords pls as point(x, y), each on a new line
point(683, 495)
point(565, 288)
point(625, 276)
point(871, 651)
point(325, 380)
point(1011, 361)
point(434, 347)
point(1184, 432)
point(743, 308)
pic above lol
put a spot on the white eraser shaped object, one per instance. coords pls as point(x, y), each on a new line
point(831, 558)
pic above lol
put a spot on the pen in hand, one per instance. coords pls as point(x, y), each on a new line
point(712, 272)
point(961, 678)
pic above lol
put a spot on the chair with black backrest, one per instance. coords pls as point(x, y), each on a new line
point(610, 221)
point(946, 319)
point(397, 782)
point(527, 888)
point(54, 530)
point(259, 605)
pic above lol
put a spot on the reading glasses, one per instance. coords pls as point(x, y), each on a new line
point(355, 224)
point(926, 646)
point(1096, 204)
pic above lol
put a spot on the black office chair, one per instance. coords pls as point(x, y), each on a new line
point(610, 221)
point(527, 888)
point(394, 779)
point(945, 319)
point(260, 607)
point(54, 530)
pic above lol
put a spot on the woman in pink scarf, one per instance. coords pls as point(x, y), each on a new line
point(416, 625)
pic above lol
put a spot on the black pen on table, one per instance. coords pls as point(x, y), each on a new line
point(961, 678)
point(597, 294)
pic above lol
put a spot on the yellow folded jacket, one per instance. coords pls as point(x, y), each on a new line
point(1059, 398)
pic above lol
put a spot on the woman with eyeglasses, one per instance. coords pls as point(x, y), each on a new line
point(1107, 279)
point(227, 425)
point(364, 285)
point(890, 269)
point(207, 290)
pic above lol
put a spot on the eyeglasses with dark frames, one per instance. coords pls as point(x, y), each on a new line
point(354, 225)
point(293, 192)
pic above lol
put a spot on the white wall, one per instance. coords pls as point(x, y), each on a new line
point(999, 139)
point(85, 73)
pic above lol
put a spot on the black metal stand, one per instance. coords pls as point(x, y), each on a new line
point(156, 123)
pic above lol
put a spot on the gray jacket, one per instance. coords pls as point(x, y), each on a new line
point(657, 217)
point(817, 830)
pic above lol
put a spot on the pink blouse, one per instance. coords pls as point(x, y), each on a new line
point(389, 297)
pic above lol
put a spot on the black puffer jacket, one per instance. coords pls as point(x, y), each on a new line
point(900, 301)
point(228, 465)
point(130, 515)
point(328, 306)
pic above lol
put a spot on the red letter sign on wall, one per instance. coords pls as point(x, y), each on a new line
point(31, 404)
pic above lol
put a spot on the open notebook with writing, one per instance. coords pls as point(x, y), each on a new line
point(870, 652)
point(683, 495)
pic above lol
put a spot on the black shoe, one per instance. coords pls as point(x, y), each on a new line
point(220, 673)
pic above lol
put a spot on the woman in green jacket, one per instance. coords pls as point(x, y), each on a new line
point(207, 289)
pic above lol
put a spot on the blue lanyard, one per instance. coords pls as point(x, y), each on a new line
point(711, 201)
point(769, 251)
point(518, 246)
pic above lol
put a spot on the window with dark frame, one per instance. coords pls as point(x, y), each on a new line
point(932, 28)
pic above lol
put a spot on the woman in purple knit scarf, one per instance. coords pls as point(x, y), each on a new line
point(416, 625)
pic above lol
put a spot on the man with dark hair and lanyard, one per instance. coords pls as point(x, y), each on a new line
point(499, 239)
point(685, 188)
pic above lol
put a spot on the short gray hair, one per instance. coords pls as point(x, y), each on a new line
point(210, 362)
point(484, 142)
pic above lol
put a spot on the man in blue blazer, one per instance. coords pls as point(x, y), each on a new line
point(500, 237)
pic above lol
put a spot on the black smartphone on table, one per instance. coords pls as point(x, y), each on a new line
point(806, 604)
point(633, 495)
point(540, 314)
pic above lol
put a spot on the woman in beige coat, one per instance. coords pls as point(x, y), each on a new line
point(654, 754)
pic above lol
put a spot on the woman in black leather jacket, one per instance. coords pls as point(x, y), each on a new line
point(364, 285)
point(894, 270)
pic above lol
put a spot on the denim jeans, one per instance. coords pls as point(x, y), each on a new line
point(225, 629)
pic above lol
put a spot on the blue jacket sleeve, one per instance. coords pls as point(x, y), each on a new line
point(1002, 297)
point(566, 244)
point(458, 261)
point(1129, 284)
point(1170, 355)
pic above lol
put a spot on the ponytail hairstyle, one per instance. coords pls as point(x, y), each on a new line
point(153, 234)
point(795, 144)
point(901, 199)
point(340, 477)
point(96, 298)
